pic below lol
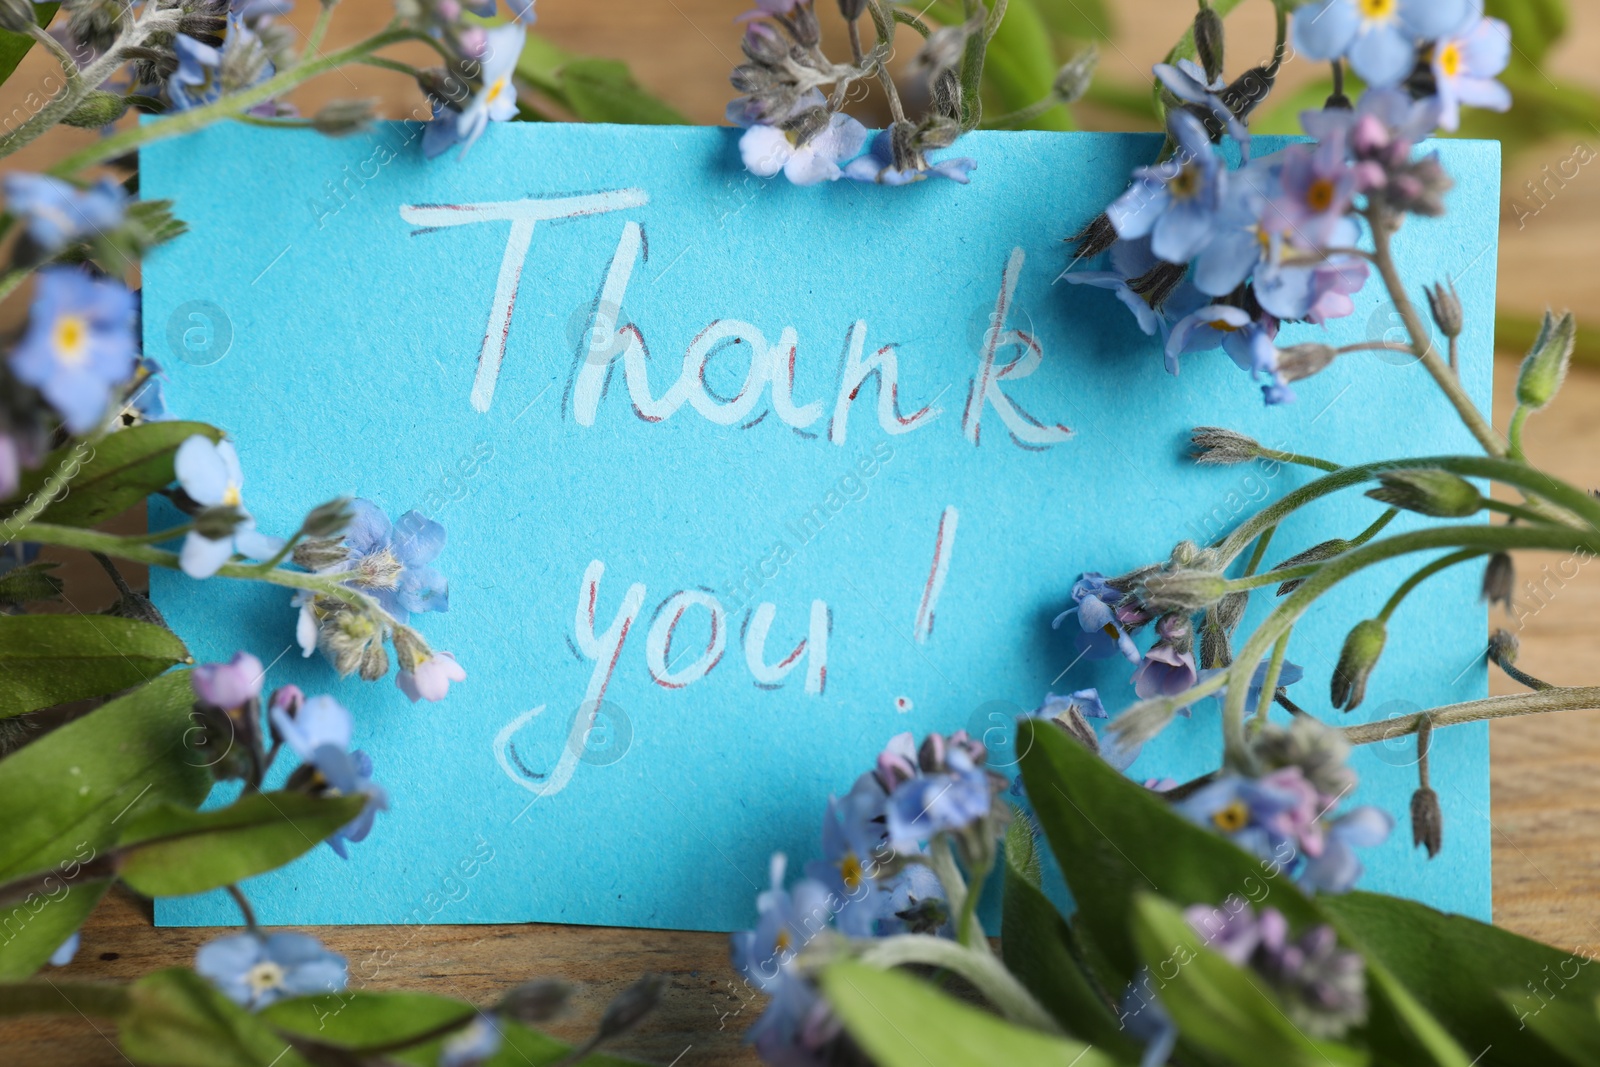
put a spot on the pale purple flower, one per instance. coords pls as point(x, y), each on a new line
point(319, 732)
point(430, 679)
point(768, 150)
point(1315, 189)
point(1337, 868)
point(228, 685)
point(495, 102)
point(1104, 634)
point(1177, 201)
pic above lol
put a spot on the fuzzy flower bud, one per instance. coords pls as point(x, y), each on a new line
point(1429, 492)
point(1360, 655)
point(1298, 362)
point(1073, 79)
point(1427, 821)
point(1215, 446)
point(1499, 579)
point(218, 524)
point(98, 109)
point(1546, 366)
point(328, 520)
point(1182, 591)
point(1209, 37)
point(16, 16)
point(342, 117)
point(630, 1007)
point(1315, 554)
point(1445, 304)
point(535, 1002)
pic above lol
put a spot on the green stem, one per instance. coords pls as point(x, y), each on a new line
point(1279, 575)
point(1517, 511)
point(1510, 472)
point(1548, 700)
point(1261, 550)
point(1440, 564)
point(968, 930)
point(58, 108)
point(1383, 256)
point(228, 106)
point(986, 974)
point(320, 29)
point(1300, 460)
point(943, 863)
point(1269, 684)
point(135, 551)
point(1519, 418)
point(1237, 677)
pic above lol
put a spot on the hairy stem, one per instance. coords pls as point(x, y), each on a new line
point(1505, 707)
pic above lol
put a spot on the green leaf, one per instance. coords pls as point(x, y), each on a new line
point(903, 1022)
point(14, 46)
point(175, 1018)
point(539, 66)
point(1115, 839)
point(1082, 20)
point(52, 659)
point(1454, 965)
point(121, 471)
point(603, 90)
point(1035, 944)
point(173, 851)
point(360, 1020)
point(1219, 1007)
point(63, 998)
point(68, 794)
point(1569, 1026)
point(30, 584)
point(1121, 840)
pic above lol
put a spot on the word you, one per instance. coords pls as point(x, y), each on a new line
point(771, 367)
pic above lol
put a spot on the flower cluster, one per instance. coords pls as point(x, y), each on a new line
point(792, 128)
point(874, 880)
point(388, 563)
point(1281, 816)
point(1210, 257)
point(1322, 987)
point(228, 738)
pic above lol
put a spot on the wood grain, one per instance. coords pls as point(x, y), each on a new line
point(1546, 812)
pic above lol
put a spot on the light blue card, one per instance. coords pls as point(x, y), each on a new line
point(775, 473)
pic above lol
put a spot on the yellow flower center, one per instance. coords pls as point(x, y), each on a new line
point(1187, 182)
point(1319, 197)
point(1379, 10)
point(496, 87)
point(850, 871)
point(263, 978)
point(1224, 325)
point(231, 497)
point(72, 340)
point(1233, 818)
point(1450, 59)
point(783, 942)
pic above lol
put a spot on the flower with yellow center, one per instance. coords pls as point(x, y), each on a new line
point(1379, 10)
point(1233, 818)
point(71, 337)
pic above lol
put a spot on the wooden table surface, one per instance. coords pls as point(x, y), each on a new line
point(1546, 825)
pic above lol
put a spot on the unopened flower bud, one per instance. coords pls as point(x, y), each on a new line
point(942, 51)
point(1182, 591)
point(328, 520)
point(320, 553)
point(1209, 37)
point(285, 700)
point(631, 1006)
point(1445, 304)
point(1429, 492)
point(1071, 719)
point(1360, 655)
point(1315, 554)
point(1504, 647)
point(341, 117)
point(1141, 722)
point(931, 755)
point(17, 16)
point(1073, 79)
point(1215, 446)
point(1427, 821)
point(852, 9)
point(1546, 366)
point(1302, 361)
point(535, 1002)
point(98, 109)
point(764, 45)
point(1499, 578)
point(219, 523)
point(807, 31)
point(138, 607)
point(925, 916)
point(374, 662)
